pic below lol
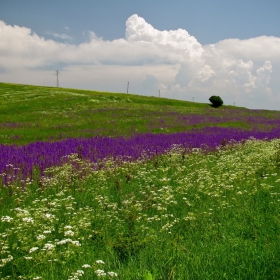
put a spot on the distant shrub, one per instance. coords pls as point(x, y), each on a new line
point(216, 101)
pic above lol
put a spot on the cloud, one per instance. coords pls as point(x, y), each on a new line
point(178, 42)
point(150, 85)
point(257, 49)
point(205, 73)
point(263, 74)
point(173, 61)
point(61, 36)
point(20, 48)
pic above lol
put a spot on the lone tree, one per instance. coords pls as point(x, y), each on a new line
point(216, 101)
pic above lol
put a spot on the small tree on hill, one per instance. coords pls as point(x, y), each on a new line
point(216, 101)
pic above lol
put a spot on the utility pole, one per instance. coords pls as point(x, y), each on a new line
point(193, 99)
point(57, 81)
point(127, 87)
point(159, 93)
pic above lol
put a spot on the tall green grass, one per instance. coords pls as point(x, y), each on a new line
point(176, 216)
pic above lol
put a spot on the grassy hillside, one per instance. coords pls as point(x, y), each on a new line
point(200, 204)
point(33, 113)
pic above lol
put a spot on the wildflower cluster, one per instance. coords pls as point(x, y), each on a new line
point(158, 215)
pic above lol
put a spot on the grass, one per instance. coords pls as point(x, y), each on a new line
point(178, 216)
point(33, 113)
point(184, 214)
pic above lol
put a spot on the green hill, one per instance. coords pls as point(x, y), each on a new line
point(183, 214)
point(35, 113)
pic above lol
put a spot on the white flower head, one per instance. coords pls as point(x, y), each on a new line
point(100, 262)
point(76, 243)
point(68, 227)
point(112, 274)
point(33, 249)
point(79, 273)
point(28, 220)
point(41, 237)
point(49, 246)
point(49, 216)
point(6, 219)
point(100, 272)
point(69, 233)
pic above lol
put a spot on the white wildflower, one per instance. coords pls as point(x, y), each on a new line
point(49, 246)
point(28, 220)
point(112, 274)
point(69, 233)
point(100, 262)
point(100, 272)
point(4, 261)
point(68, 227)
point(80, 273)
point(76, 243)
point(41, 236)
point(68, 240)
point(6, 219)
point(33, 249)
point(50, 216)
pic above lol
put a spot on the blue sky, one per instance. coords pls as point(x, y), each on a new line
point(186, 49)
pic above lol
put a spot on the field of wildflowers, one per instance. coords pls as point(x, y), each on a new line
point(27, 162)
point(201, 203)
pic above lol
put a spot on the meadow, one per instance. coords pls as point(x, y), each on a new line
point(103, 185)
point(31, 113)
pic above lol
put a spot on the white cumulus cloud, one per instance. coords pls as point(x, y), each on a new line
point(205, 73)
point(178, 41)
point(257, 49)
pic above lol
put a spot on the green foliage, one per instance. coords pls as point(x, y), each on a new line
point(216, 101)
point(151, 276)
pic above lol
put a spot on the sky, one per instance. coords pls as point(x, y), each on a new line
point(186, 49)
